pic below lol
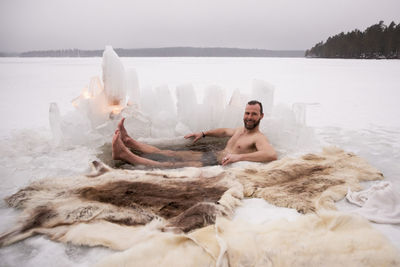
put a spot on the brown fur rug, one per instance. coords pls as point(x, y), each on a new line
point(308, 183)
point(182, 200)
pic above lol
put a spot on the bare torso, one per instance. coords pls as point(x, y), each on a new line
point(240, 143)
point(245, 144)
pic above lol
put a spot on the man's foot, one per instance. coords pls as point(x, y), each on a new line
point(124, 134)
point(131, 143)
point(119, 150)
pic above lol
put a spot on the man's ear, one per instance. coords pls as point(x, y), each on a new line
point(262, 116)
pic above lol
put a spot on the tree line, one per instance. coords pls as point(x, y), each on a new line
point(377, 41)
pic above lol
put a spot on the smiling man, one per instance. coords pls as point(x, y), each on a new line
point(245, 144)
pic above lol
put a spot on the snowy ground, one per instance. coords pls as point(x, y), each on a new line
point(350, 103)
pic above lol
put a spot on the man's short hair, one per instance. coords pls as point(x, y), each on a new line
point(255, 102)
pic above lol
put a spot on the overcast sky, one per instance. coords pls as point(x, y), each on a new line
point(266, 24)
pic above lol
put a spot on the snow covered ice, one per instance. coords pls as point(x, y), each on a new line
point(309, 103)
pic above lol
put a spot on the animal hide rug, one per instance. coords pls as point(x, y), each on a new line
point(179, 200)
point(326, 239)
point(308, 183)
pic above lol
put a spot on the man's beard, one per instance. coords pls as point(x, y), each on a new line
point(249, 127)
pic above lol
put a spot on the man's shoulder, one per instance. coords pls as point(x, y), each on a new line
point(231, 131)
point(237, 130)
point(261, 133)
point(261, 136)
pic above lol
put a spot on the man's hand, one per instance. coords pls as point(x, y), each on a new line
point(230, 158)
point(196, 136)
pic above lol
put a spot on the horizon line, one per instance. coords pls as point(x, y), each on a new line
point(141, 48)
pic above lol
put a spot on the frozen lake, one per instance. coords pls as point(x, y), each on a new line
point(350, 93)
point(352, 104)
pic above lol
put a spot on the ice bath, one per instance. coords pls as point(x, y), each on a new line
point(210, 145)
point(314, 103)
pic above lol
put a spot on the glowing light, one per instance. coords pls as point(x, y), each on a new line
point(116, 109)
point(92, 98)
point(75, 101)
point(85, 93)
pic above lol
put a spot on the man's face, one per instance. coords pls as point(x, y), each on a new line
point(252, 116)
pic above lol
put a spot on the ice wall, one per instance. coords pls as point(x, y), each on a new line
point(132, 88)
point(187, 107)
point(155, 112)
point(113, 77)
point(158, 105)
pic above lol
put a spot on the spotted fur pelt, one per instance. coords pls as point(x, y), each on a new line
point(184, 199)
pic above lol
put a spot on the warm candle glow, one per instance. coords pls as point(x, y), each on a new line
point(92, 98)
point(85, 93)
point(116, 109)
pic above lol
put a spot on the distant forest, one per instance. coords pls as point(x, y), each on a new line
point(166, 52)
point(377, 41)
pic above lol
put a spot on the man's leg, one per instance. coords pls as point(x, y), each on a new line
point(133, 144)
point(121, 152)
point(149, 149)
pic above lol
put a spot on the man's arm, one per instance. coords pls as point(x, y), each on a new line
point(220, 132)
point(265, 153)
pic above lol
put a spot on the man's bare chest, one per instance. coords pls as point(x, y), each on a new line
point(241, 144)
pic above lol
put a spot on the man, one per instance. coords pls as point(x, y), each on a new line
point(245, 144)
